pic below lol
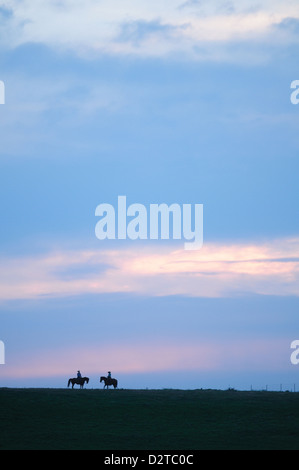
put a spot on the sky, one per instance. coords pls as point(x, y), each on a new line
point(175, 102)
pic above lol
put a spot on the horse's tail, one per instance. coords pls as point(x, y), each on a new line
point(69, 383)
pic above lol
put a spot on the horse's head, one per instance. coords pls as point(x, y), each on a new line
point(87, 380)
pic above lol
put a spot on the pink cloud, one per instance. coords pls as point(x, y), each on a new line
point(270, 268)
point(236, 355)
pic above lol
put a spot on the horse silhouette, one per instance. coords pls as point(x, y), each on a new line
point(109, 382)
point(77, 381)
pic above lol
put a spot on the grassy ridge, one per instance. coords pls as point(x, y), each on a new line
point(148, 419)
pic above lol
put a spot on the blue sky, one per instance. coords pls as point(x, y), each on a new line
point(175, 102)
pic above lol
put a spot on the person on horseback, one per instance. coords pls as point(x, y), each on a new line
point(109, 377)
point(79, 376)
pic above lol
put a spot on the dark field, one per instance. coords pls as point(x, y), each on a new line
point(147, 419)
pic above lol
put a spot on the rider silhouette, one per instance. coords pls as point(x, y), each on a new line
point(79, 376)
point(109, 375)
